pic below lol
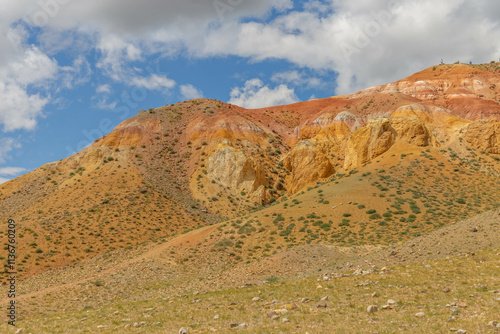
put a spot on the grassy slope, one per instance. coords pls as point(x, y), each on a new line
point(167, 297)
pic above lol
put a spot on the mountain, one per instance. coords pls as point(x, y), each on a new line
point(391, 162)
point(426, 141)
point(209, 199)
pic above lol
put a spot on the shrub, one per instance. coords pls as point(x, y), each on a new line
point(247, 228)
point(222, 245)
point(345, 222)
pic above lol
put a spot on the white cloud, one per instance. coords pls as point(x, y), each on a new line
point(190, 92)
point(11, 171)
point(7, 145)
point(116, 52)
point(77, 74)
point(154, 82)
point(105, 104)
point(255, 95)
point(296, 78)
point(34, 67)
point(103, 89)
point(366, 42)
point(18, 109)
point(3, 180)
point(23, 68)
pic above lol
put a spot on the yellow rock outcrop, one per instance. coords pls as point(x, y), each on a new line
point(237, 172)
point(380, 134)
point(484, 135)
point(313, 159)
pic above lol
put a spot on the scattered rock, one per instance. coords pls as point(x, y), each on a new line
point(474, 229)
point(461, 331)
point(420, 314)
point(391, 302)
point(493, 323)
point(256, 299)
point(324, 298)
point(284, 320)
point(374, 294)
point(454, 311)
point(243, 325)
point(233, 325)
point(282, 311)
point(20, 330)
point(271, 314)
point(321, 304)
point(102, 326)
point(372, 309)
point(446, 290)
point(183, 330)
point(452, 319)
point(304, 300)
point(216, 317)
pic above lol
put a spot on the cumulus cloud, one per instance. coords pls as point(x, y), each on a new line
point(32, 68)
point(77, 74)
point(296, 78)
point(105, 104)
point(103, 89)
point(21, 69)
point(7, 145)
point(366, 42)
point(18, 109)
point(190, 92)
point(254, 94)
point(11, 171)
point(153, 82)
point(135, 18)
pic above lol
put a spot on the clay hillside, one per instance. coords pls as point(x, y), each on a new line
point(396, 160)
point(207, 217)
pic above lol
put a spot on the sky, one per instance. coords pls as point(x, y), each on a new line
point(71, 70)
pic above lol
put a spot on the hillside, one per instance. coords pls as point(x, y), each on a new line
point(413, 153)
point(450, 276)
point(196, 205)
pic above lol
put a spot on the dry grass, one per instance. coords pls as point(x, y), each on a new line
point(418, 287)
